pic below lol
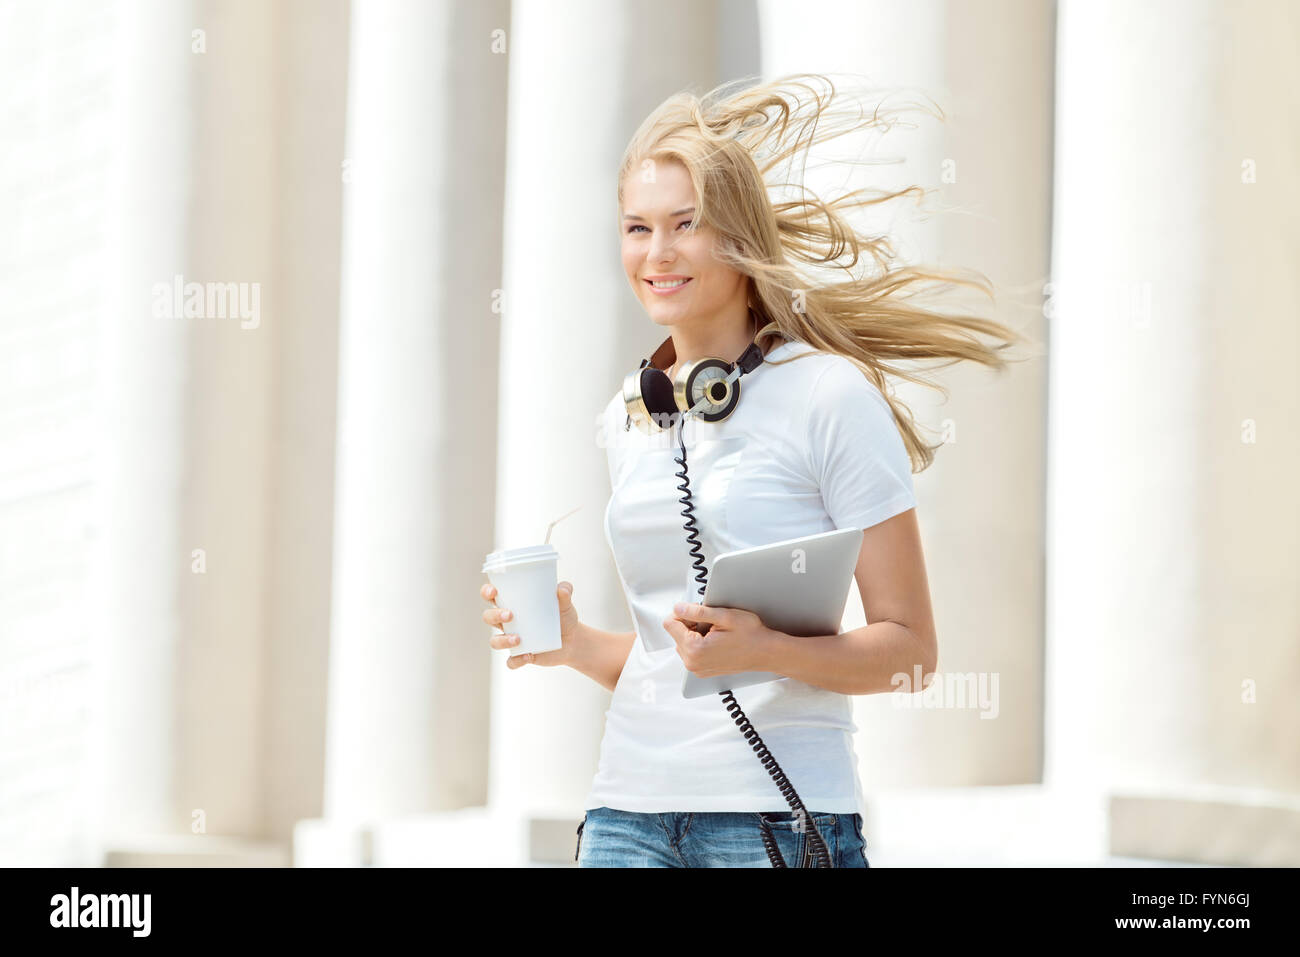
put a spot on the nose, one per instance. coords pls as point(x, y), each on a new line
point(661, 248)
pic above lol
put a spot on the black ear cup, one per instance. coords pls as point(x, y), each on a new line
point(649, 396)
point(657, 394)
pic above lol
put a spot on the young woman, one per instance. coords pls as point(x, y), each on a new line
point(815, 442)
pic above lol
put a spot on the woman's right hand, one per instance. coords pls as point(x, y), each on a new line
point(499, 617)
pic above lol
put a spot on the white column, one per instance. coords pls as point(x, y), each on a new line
point(980, 505)
point(1173, 589)
point(311, 88)
point(140, 565)
point(185, 452)
point(416, 448)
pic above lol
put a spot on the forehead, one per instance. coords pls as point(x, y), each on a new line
point(658, 186)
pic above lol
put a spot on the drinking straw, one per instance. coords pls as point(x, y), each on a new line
point(556, 522)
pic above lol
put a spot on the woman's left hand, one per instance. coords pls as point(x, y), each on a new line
point(737, 641)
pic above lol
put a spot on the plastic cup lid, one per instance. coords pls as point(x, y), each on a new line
point(517, 556)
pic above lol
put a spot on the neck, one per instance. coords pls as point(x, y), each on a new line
point(721, 337)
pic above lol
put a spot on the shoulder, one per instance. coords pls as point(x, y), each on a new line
point(609, 426)
point(613, 408)
point(829, 377)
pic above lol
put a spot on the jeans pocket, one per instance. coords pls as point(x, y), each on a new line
point(578, 850)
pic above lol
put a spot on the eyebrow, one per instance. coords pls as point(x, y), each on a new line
point(679, 212)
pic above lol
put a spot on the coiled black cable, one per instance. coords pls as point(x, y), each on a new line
point(688, 512)
point(815, 844)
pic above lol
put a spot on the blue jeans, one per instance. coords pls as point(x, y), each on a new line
point(610, 838)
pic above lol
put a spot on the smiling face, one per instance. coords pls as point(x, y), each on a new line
point(672, 268)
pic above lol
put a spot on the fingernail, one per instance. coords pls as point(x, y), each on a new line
point(679, 607)
point(506, 616)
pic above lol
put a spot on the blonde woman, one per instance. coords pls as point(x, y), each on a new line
point(815, 442)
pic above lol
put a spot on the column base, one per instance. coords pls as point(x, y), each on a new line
point(1216, 826)
point(1039, 826)
point(192, 850)
point(467, 837)
point(985, 826)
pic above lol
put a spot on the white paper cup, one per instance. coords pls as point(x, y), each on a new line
point(526, 580)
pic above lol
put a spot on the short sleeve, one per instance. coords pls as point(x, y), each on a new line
point(855, 450)
point(608, 425)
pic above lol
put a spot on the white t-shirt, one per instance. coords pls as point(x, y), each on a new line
point(812, 446)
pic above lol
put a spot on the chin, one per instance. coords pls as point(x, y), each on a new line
point(664, 317)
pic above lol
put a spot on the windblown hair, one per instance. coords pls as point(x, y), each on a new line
point(813, 276)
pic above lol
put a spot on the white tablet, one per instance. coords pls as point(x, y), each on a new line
point(798, 586)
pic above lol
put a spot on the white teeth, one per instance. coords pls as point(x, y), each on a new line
point(667, 284)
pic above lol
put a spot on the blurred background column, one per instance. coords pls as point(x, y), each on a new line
point(143, 550)
point(408, 674)
point(188, 445)
point(312, 62)
point(1174, 601)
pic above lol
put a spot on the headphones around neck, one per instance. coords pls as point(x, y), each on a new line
point(708, 387)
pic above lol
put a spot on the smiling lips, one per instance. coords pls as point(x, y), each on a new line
point(666, 285)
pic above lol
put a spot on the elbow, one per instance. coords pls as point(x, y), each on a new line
point(928, 658)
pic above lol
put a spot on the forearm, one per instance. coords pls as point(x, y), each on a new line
point(866, 660)
point(600, 655)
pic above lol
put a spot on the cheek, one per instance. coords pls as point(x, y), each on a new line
point(631, 260)
point(719, 282)
point(717, 279)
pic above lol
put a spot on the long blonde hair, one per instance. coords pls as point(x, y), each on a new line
point(729, 140)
